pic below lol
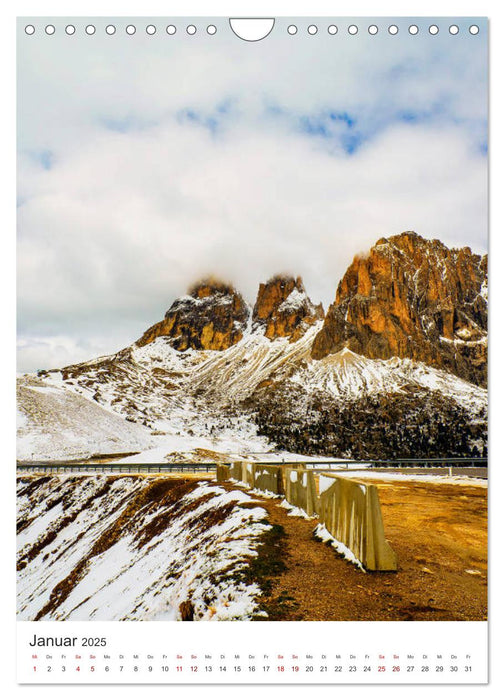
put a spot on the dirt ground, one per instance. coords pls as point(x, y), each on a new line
point(439, 532)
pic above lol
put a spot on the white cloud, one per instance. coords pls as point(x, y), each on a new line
point(122, 223)
point(55, 351)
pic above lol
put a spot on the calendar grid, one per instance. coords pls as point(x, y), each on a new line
point(299, 653)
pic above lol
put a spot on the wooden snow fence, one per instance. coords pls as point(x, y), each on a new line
point(300, 489)
point(223, 472)
point(259, 476)
point(351, 512)
point(236, 470)
point(269, 479)
point(349, 509)
point(248, 474)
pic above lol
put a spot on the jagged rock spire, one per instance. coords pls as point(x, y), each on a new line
point(212, 316)
point(284, 309)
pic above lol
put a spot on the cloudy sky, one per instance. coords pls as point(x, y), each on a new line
point(146, 162)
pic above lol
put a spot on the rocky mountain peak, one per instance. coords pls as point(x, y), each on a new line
point(283, 308)
point(212, 316)
point(211, 287)
point(412, 297)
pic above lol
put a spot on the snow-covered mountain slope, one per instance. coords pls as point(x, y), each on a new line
point(143, 383)
point(56, 423)
point(345, 375)
point(214, 401)
point(397, 367)
point(134, 548)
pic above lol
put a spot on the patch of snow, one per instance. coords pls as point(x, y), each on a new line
point(294, 511)
point(323, 534)
point(21, 420)
point(427, 477)
point(60, 424)
point(263, 493)
point(464, 334)
point(294, 301)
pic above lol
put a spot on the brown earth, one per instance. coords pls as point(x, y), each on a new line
point(439, 533)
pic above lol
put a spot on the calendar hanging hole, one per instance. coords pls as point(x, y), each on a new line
point(413, 30)
point(453, 29)
point(171, 29)
point(130, 29)
point(90, 29)
point(312, 29)
point(110, 29)
point(474, 29)
point(353, 29)
point(150, 29)
point(433, 29)
point(70, 29)
point(393, 29)
point(211, 29)
point(373, 29)
point(191, 29)
point(50, 29)
point(29, 29)
point(251, 28)
point(292, 29)
point(332, 29)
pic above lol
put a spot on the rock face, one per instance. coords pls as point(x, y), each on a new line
point(283, 309)
point(412, 298)
point(213, 316)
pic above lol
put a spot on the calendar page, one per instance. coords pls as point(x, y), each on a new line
point(252, 350)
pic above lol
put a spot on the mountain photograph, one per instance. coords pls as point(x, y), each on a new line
point(396, 367)
point(252, 323)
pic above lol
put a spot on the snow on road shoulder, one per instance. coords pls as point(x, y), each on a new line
point(323, 534)
point(427, 478)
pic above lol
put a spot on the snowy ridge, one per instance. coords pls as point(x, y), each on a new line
point(170, 378)
point(55, 423)
point(236, 373)
point(126, 548)
point(346, 375)
point(233, 375)
point(296, 300)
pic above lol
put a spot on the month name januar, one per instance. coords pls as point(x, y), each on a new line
point(52, 641)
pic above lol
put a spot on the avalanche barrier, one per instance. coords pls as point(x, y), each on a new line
point(349, 509)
